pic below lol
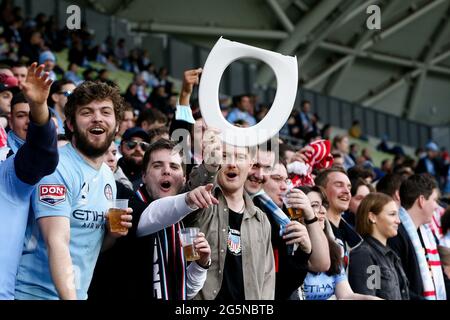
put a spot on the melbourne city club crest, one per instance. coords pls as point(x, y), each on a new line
point(108, 192)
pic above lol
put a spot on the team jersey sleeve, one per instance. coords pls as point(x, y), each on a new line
point(52, 196)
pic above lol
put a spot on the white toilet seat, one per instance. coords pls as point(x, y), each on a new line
point(221, 56)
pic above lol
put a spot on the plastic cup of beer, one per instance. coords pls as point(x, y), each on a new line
point(293, 213)
point(187, 236)
point(118, 207)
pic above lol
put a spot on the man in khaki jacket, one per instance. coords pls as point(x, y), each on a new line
point(242, 264)
point(238, 232)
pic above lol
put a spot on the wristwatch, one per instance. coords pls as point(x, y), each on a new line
point(208, 264)
point(311, 220)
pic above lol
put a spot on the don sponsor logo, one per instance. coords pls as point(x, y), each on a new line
point(52, 194)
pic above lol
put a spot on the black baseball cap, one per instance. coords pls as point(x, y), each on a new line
point(136, 132)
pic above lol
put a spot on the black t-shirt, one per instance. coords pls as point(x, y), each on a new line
point(346, 237)
point(340, 236)
point(232, 288)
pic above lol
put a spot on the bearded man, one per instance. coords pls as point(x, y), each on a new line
point(67, 226)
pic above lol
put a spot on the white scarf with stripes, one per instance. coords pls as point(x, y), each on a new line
point(427, 258)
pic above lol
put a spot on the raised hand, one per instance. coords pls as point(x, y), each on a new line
point(212, 149)
point(36, 89)
point(190, 78)
point(303, 154)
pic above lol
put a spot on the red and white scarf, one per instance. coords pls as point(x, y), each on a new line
point(321, 158)
point(434, 262)
point(436, 222)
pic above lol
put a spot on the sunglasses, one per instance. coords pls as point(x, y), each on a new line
point(133, 144)
point(65, 93)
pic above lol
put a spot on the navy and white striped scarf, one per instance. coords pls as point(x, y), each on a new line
point(169, 268)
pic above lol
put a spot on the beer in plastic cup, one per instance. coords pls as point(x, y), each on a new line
point(293, 213)
point(187, 236)
point(117, 209)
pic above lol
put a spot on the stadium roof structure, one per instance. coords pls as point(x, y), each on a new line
point(402, 68)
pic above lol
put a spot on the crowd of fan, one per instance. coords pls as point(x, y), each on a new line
point(257, 251)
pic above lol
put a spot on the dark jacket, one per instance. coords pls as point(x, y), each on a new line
point(366, 261)
point(122, 259)
point(422, 166)
point(350, 218)
point(39, 156)
point(142, 256)
point(132, 171)
point(290, 270)
point(133, 256)
point(404, 248)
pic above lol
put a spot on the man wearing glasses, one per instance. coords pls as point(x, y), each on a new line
point(299, 247)
point(59, 92)
point(135, 142)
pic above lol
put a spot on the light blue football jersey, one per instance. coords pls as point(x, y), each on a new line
point(14, 203)
point(80, 193)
